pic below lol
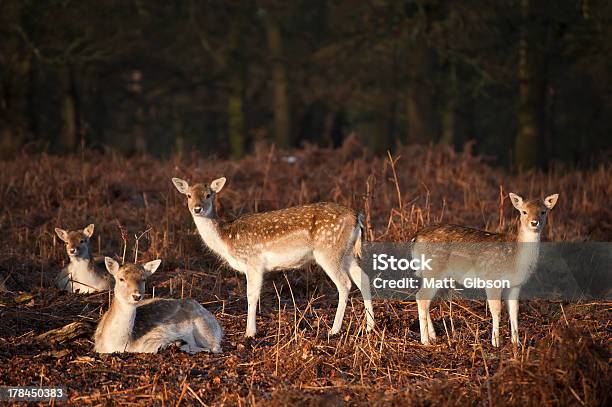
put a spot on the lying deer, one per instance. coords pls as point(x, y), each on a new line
point(132, 324)
point(478, 253)
point(326, 233)
point(83, 274)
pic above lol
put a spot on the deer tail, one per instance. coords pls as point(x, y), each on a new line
point(357, 245)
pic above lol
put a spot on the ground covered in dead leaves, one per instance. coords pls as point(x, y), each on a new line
point(564, 360)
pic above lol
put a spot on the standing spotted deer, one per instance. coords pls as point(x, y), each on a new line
point(83, 274)
point(326, 233)
point(460, 252)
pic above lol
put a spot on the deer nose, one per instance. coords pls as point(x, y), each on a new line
point(535, 223)
point(136, 297)
point(197, 209)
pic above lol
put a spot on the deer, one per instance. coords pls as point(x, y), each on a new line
point(462, 252)
point(325, 233)
point(133, 324)
point(83, 274)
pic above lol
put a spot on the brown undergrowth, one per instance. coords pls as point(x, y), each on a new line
point(564, 360)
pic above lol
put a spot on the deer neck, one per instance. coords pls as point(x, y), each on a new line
point(79, 265)
point(210, 232)
point(117, 332)
point(528, 250)
point(528, 236)
point(82, 258)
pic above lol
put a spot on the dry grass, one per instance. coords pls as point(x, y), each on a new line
point(566, 355)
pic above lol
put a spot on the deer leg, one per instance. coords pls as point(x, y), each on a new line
point(254, 280)
point(430, 328)
point(494, 299)
point(424, 297)
point(362, 281)
point(513, 307)
point(343, 284)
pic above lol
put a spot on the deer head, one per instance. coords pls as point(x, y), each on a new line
point(76, 241)
point(533, 213)
point(130, 279)
point(200, 197)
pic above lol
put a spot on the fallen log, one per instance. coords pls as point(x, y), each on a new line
point(66, 333)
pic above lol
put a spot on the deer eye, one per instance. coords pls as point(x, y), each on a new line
point(189, 196)
point(82, 241)
point(524, 212)
point(543, 213)
point(207, 195)
point(121, 279)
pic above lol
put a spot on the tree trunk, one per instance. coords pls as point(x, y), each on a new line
point(528, 139)
point(235, 117)
point(13, 108)
point(419, 98)
point(14, 86)
point(448, 112)
point(280, 82)
point(68, 113)
point(236, 66)
point(448, 121)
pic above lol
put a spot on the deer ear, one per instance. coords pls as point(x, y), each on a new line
point(88, 231)
point(111, 265)
point(151, 267)
point(181, 185)
point(62, 234)
point(516, 200)
point(217, 184)
point(551, 200)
